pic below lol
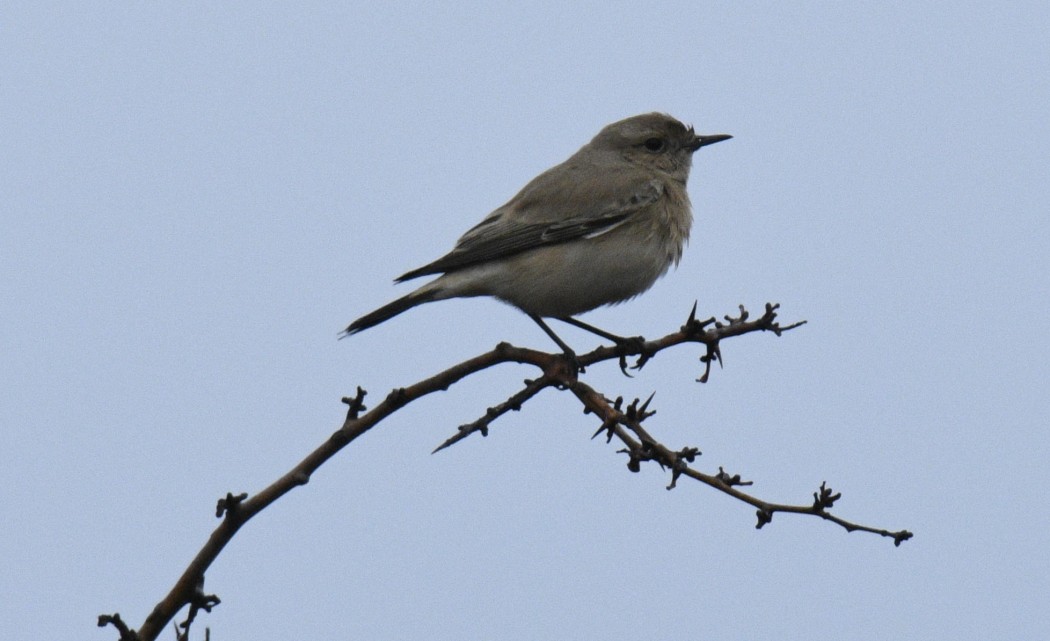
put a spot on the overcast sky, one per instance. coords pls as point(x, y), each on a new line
point(198, 196)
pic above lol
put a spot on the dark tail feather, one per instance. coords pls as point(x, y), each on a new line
point(388, 311)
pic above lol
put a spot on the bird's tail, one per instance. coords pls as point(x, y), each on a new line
point(390, 310)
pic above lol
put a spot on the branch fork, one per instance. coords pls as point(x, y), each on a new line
point(617, 421)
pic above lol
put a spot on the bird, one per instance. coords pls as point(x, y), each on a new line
point(598, 229)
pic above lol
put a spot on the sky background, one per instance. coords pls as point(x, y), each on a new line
point(198, 196)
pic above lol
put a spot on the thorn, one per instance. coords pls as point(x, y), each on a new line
point(645, 405)
point(825, 497)
point(229, 504)
point(634, 464)
point(764, 516)
point(675, 473)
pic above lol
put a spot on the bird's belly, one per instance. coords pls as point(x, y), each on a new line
point(575, 277)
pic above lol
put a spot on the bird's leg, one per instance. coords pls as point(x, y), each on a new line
point(633, 343)
point(569, 354)
point(619, 340)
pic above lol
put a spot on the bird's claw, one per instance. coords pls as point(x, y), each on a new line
point(632, 345)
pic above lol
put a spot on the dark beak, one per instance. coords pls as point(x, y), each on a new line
point(703, 141)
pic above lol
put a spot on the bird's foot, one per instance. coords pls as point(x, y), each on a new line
point(632, 345)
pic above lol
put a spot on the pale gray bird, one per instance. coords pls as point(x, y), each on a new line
point(600, 228)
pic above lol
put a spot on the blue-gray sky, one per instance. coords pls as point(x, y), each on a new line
point(198, 196)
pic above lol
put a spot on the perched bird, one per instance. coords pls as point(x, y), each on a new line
point(599, 228)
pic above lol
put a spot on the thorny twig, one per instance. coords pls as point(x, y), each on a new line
point(617, 421)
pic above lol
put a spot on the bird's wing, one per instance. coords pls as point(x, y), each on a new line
point(520, 226)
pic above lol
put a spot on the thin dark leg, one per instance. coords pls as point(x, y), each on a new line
point(569, 354)
point(565, 348)
point(633, 343)
point(619, 340)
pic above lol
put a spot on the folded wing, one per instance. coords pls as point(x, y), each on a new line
point(515, 228)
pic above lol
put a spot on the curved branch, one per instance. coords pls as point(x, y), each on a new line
point(641, 446)
point(557, 372)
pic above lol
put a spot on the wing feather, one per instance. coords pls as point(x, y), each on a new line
point(516, 227)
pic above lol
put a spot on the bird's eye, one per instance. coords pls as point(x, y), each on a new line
point(654, 145)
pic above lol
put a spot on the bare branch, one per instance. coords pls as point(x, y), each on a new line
point(513, 403)
point(126, 633)
point(642, 447)
point(617, 421)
